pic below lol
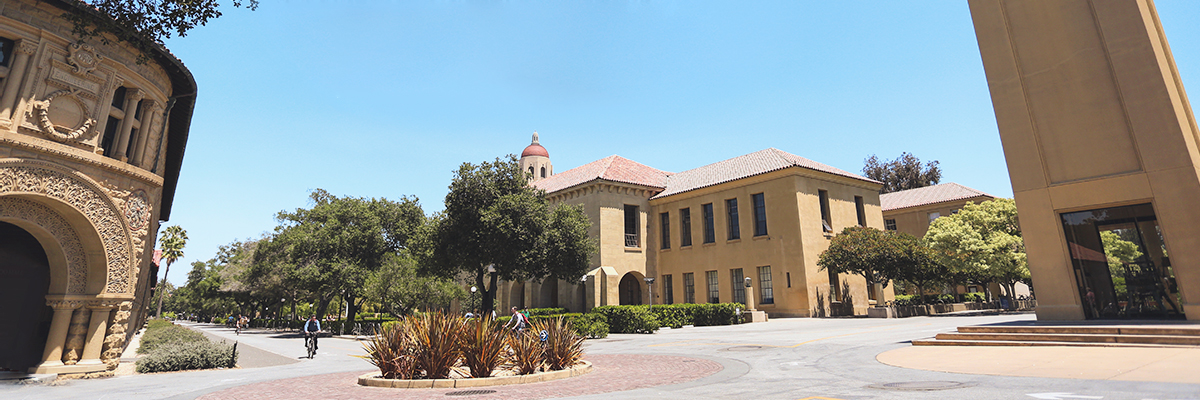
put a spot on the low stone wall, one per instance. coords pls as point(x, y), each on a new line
point(934, 309)
point(374, 379)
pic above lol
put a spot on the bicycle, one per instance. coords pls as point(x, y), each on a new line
point(310, 343)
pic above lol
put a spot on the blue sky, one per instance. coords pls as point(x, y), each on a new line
point(387, 98)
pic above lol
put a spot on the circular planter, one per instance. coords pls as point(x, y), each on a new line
point(373, 379)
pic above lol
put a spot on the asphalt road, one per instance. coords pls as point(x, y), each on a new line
point(797, 358)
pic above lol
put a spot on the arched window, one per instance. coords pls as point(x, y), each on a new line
point(543, 172)
point(530, 170)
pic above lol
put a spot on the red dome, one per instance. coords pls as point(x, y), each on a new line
point(535, 150)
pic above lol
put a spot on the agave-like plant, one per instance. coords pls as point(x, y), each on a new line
point(526, 350)
point(482, 346)
point(435, 340)
point(563, 347)
point(390, 351)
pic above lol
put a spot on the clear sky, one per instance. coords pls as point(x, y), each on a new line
point(387, 98)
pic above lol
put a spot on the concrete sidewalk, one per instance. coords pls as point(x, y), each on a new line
point(1175, 365)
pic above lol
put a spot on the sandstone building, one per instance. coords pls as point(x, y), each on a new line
point(699, 233)
point(91, 143)
point(1100, 141)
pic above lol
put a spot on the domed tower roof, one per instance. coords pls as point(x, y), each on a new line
point(535, 148)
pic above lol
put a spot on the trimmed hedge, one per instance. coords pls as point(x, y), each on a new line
point(629, 319)
point(590, 325)
point(678, 315)
point(159, 334)
point(181, 356)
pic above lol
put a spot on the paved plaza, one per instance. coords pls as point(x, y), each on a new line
point(838, 358)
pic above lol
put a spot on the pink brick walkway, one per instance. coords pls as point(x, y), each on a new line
point(610, 373)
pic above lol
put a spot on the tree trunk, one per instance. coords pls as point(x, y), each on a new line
point(489, 295)
point(159, 291)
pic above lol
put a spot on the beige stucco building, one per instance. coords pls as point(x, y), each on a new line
point(90, 148)
point(1101, 143)
point(698, 234)
point(911, 211)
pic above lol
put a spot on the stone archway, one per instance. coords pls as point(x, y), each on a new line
point(24, 282)
point(630, 289)
point(516, 295)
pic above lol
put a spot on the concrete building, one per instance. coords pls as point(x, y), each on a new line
point(697, 234)
point(91, 143)
point(911, 211)
point(1100, 141)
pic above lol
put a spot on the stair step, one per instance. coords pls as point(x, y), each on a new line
point(1191, 330)
point(1080, 338)
point(1039, 344)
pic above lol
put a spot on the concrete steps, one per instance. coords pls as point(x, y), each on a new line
point(1088, 336)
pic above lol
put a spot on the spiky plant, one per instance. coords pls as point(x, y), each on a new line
point(525, 351)
point(564, 347)
point(482, 346)
point(435, 339)
point(391, 352)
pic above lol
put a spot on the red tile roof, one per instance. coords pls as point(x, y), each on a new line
point(612, 168)
point(927, 195)
point(756, 163)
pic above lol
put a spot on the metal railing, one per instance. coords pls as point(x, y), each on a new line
point(631, 240)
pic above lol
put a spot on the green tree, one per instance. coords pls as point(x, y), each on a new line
point(400, 290)
point(919, 264)
point(982, 243)
point(493, 217)
point(330, 249)
point(903, 173)
point(171, 243)
point(144, 24)
point(868, 252)
point(1121, 254)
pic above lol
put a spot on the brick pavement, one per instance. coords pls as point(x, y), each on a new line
point(610, 373)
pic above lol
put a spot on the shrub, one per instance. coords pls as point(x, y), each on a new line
point(629, 319)
point(156, 323)
point(590, 325)
point(563, 347)
point(525, 351)
point(532, 312)
point(482, 346)
point(188, 355)
point(434, 338)
point(673, 315)
point(716, 314)
point(974, 296)
point(905, 300)
point(390, 351)
point(160, 335)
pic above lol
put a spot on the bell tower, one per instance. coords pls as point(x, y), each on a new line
point(535, 160)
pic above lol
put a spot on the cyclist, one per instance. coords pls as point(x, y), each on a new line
point(311, 328)
point(518, 320)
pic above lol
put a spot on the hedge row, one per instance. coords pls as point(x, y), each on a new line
point(169, 347)
point(647, 319)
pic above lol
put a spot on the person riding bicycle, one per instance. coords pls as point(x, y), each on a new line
point(518, 320)
point(311, 328)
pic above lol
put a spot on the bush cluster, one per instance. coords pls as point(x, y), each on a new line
point(169, 347)
point(647, 319)
point(629, 319)
point(590, 325)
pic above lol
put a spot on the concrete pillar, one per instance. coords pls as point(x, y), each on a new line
point(132, 97)
point(96, 329)
point(16, 73)
point(57, 338)
point(147, 119)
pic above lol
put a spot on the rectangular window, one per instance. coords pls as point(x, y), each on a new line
point(666, 229)
point(760, 214)
point(668, 290)
point(889, 224)
point(6, 50)
point(631, 226)
point(109, 141)
point(835, 287)
point(862, 212)
point(738, 280)
point(689, 288)
point(714, 293)
point(826, 220)
point(735, 231)
point(710, 233)
point(789, 279)
point(933, 216)
point(685, 227)
point(764, 286)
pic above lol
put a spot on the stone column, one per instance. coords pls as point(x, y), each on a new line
point(16, 72)
point(97, 326)
point(132, 97)
point(57, 338)
point(147, 119)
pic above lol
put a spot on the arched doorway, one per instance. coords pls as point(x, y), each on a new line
point(516, 295)
point(24, 281)
point(630, 289)
point(548, 293)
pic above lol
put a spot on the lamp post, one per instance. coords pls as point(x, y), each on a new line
point(473, 304)
point(583, 293)
point(749, 296)
point(491, 269)
point(650, 289)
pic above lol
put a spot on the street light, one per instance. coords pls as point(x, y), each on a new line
point(583, 293)
point(650, 288)
point(473, 304)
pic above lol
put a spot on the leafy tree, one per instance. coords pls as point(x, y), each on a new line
point(1121, 254)
point(493, 217)
point(172, 242)
point(903, 173)
point(144, 24)
point(919, 264)
point(400, 290)
point(331, 249)
point(982, 243)
point(868, 252)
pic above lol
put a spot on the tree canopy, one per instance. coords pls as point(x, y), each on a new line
point(493, 217)
point(144, 23)
point(880, 257)
point(982, 243)
point(903, 173)
point(172, 242)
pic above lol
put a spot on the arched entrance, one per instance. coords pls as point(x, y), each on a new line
point(548, 293)
point(516, 295)
point(24, 282)
point(630, 289)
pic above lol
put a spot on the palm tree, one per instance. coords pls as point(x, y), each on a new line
point(171, 243)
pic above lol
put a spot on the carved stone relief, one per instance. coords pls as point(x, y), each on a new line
point(73, 349)
point(68, 121)
point(114, 341)
point(28, 176)
point(63, 233)
point(83, 58)
point(137, 210)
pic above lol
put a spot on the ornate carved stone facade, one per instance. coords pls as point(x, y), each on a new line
point(90, 147)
